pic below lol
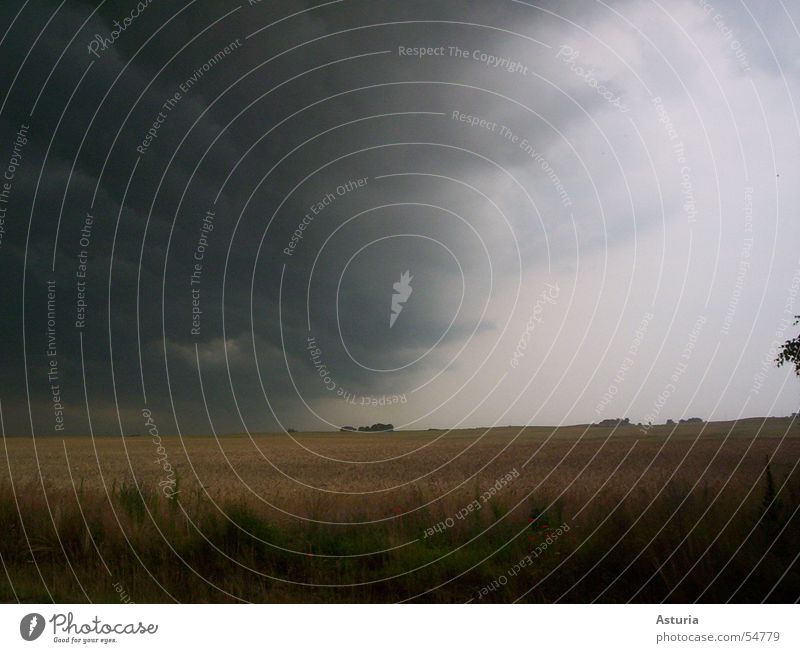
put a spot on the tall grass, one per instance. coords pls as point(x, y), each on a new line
point(135, 542)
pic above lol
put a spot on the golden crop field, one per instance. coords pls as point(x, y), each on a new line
point(354, 473)
point(351, 516)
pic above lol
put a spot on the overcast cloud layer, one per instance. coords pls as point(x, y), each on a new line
point(596, 204)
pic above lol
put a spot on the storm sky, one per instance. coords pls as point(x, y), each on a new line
point(209, 206)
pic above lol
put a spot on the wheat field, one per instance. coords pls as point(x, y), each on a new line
point(649, 515)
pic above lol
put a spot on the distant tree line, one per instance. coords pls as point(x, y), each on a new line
point(613, 422)
point(375, 428)
point(616, 421)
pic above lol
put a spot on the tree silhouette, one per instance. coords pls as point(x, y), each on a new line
point(790, 351)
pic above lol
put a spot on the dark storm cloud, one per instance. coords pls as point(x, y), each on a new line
point(151, 76)
point(267, 133)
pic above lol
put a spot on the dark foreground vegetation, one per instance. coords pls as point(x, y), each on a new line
point(140, 545)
